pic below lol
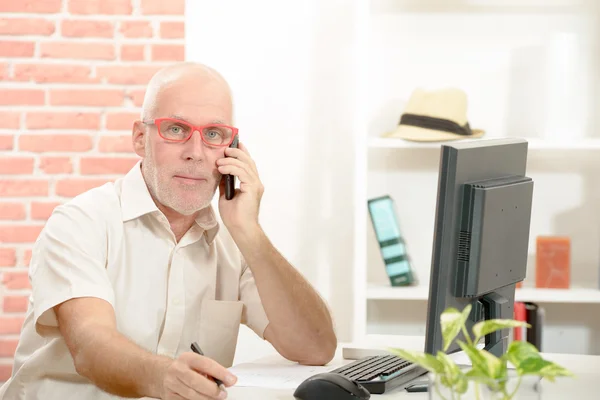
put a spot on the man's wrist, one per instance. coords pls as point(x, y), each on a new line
point(160, 367)
point(247, 234)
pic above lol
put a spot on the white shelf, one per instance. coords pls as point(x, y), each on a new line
point(534, 144)
point(575, 295)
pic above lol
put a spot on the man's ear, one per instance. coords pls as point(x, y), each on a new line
point(138, 138)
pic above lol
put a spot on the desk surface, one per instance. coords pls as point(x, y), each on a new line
point(583, 386)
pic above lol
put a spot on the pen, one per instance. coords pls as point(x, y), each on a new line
point(196, 349)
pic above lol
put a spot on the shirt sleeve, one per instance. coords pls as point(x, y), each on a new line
point(68, 261)
point(253, 313)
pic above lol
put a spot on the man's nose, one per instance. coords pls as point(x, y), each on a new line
point(195, 147)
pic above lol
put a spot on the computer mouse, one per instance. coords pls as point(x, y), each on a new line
point(330, 386)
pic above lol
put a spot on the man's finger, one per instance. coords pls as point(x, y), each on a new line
point(197, 387)
point(241, 173)
point(212, 368)
point(242, 155)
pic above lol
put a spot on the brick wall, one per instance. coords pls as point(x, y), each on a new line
point(72, 77)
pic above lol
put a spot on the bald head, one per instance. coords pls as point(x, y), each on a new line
point(190, 75)
point(184, 94)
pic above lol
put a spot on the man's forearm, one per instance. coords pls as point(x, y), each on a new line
point(118, 366)
point(297, 315)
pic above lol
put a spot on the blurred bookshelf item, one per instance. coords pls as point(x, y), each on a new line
point(553, 262)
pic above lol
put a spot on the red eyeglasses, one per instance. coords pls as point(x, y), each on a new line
point(175, 130)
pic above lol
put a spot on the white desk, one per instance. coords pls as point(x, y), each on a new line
point(586, 384)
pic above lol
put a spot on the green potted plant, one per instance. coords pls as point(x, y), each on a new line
point(489, 377)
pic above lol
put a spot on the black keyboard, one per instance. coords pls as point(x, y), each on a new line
point(379, 374)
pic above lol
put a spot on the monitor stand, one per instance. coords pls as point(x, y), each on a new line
point(493, 304)
point(496, 342)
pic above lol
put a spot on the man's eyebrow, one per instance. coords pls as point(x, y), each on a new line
point(175, 116)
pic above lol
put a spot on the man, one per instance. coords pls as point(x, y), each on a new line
point(126, 276)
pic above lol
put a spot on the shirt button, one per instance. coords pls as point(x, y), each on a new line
point(177, 301)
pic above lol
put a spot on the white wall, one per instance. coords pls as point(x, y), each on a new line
point(289, 67)
point(293, 70)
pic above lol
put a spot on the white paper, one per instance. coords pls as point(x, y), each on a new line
point(275, 376)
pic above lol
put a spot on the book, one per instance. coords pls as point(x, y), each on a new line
point(520, 315)
point(535, 318)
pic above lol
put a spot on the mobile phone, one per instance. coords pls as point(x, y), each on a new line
point(391, 243)
point(230, 179)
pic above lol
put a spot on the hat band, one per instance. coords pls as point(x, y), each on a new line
point(438, 124)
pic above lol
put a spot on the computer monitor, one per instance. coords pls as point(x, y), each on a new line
point(481, 235)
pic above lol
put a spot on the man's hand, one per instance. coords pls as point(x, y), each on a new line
point(189, 378)
point(241, 212)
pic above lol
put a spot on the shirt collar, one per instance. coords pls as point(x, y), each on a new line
point(136, 201)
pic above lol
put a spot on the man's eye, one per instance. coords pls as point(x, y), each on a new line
point(175, 129)
point(212, 134)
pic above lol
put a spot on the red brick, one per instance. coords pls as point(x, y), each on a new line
point(115, 144)
point(6, 142)
point(89, 7)
point(21, 97)
point(99, 29)
point(75, 186)
point(23, 188)
point(4, 73)
point(136, 96)
point(132, 52)
point(86, 97)
point(56, 165)
point(53, 73)
point(26, 257)
point(62, 120)
point(30, 6)
point(15, 304)
point(67, 143)
point(127, 74)
point(16, 165)
point(168, 52)
point(87, 51)
point(42, 211)
point(12, 211)
point(8, 257)
point(11, 325)
point(121, 121)
point(172, 30)
point(136, 29)
point(16, 49)
point(15, 280)
point(101, 165)
point(9, 120)
point(19, 233)
point(8, 347)
point(26, 26)
point(161, 7)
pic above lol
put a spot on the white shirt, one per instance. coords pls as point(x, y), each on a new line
point(113, 243)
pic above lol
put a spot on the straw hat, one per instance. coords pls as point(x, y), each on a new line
point(432, 116)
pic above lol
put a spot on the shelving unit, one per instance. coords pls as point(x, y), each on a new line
point(559, 296)
point(494, 51)
point(534, 144)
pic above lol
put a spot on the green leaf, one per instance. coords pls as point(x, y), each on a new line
point(480, 377)
point(452, 322)
point(483, 328)
point(488, 364)
point(425, 360)
point(528, 361)
point(519, 351)
point(454, 377)
point(543, 368)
